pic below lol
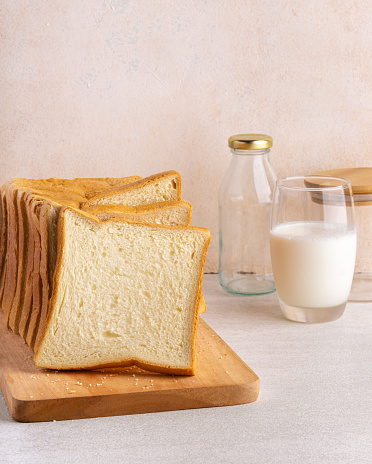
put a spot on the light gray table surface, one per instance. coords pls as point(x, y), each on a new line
point(314, 404)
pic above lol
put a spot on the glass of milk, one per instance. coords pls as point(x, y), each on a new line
point(313, 246)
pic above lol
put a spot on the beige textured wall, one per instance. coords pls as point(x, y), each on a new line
point(114, 88)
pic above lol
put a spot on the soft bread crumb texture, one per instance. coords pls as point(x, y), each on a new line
point(124, 292)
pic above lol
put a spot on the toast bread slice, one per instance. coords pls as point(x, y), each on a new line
point(153, 189)
point(127, 302)
point(165, 212)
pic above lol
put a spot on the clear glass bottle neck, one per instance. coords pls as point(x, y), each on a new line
point(265, 151)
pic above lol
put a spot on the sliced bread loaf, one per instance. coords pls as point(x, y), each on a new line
point(124, 293)
point(29, 213)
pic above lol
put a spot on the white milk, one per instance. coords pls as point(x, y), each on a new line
point(313, 263)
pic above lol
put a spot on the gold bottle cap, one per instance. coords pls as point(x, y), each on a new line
point(250, 142)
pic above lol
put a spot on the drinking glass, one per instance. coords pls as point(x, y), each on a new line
point(313, 246)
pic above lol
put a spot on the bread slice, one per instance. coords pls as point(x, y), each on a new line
point(124, 294)
point(165, 186)
point(176, 213)
point(37, 282)
point(28, 268)
point(171, 213)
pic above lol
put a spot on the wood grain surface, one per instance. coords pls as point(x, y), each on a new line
point(360, 178)
point(33, 394)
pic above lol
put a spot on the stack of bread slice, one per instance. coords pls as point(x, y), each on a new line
point(102, 272)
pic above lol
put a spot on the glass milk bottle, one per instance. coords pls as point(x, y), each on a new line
point(244, 199)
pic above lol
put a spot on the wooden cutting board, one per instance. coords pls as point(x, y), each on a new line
point(33, 394)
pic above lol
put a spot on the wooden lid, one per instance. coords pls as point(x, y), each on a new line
point(360, 178)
